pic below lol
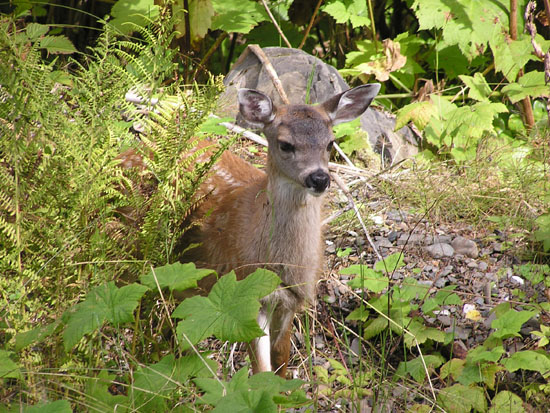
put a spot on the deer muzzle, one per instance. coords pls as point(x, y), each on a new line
point(318, 181)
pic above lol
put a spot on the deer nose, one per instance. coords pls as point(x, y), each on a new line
point(318, 180)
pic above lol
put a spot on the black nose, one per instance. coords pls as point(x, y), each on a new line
point(318, 180)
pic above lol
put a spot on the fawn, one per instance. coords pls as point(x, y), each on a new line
point(273, 219)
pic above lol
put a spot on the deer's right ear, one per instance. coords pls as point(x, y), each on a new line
point(350, 104)
point(255, 106)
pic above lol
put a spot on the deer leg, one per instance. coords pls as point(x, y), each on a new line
point(259, 350)
point(281, 326)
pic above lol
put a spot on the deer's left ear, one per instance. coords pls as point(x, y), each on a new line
point(350, 104)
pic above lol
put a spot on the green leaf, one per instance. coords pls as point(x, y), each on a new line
point(374, 327)
point(511, 55)
point(390, 263)
point(506, 401)
point(462, 399)
point(543, 233)
point(213, 125)
point(509, 324)
point(35, 30)
point(238, 16)
point(479, 88)
point(57, 45)
point(354, 11)
point(530, 84)
point(8, 368)
point(470, 24)
point(59, 406)
point(481, 354)
point(419, 113)
point(175, 277)
point(127, 14)
point(35, 335)
point(230, 310)
point(452, 368)
point(103, 303)
point(98, 396)
point(422, 333)
point(366, 278)
point(154, 383)
point(528, 360)
point(359, 314)
point(415, 367)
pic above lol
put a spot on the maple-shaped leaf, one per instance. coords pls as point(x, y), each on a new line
point(419, 113)
point(509, 324)
point(230, 310)
point(238, 16)
point(103, 303)
point(530, 84)
point(175, 277)
point(354, 11)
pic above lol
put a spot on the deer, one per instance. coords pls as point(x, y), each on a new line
point(273, 219)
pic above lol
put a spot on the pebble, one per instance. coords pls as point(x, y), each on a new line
point(482, 266)
point(440, 250)
point(438, 239)
point(465, 247)
point(392, 236)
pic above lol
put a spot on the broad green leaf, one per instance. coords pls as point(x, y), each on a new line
point(479, 373)
point(243, 394)
point(153, 384)
point(478, 87)
point(35, 30)
point(509, 324)
point(422, 333)
point(511, 55)
point(462, 399)
point(481, 354)
point(409, 290)
point(8, 368)
point(391, 263)
point(230, 310)
point(506, 401)
point(175, 277)
point(213, 125)
point(374, 327)
point(355, 142)
point(415, 367)
point(528, 360)
point(98, 396)
point(239, 16)
point(366, 278)
point(127, 14)
point(530, 84)
point(470, 24)
point(57, 44)
point(419, 113)
point(103, 303)
point(543, 233)
point(59, 406)
point(453, 368)
point(35, 335)
point(354, 11)
point(359, 314)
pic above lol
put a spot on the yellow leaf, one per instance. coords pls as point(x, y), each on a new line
point(473, 315)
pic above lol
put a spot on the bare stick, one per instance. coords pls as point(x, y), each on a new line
point(342, 185)
point(270, 71)
point(275, 24)
point(310, 25)
point(343, 155)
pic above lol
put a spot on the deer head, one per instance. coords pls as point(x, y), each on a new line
point(300, 137)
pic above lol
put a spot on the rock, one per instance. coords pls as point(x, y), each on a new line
point(383, 242)
point(438, 239)
point(411, 239)
point(440, 250)
point(392, 236)
point(482, 266)
point(497, 247)
point(465, 247)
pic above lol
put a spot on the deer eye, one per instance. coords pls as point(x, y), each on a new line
point(286, 147)
point(330, 146)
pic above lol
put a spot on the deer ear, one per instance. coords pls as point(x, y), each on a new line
point(350, 104)
point(255, 106)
